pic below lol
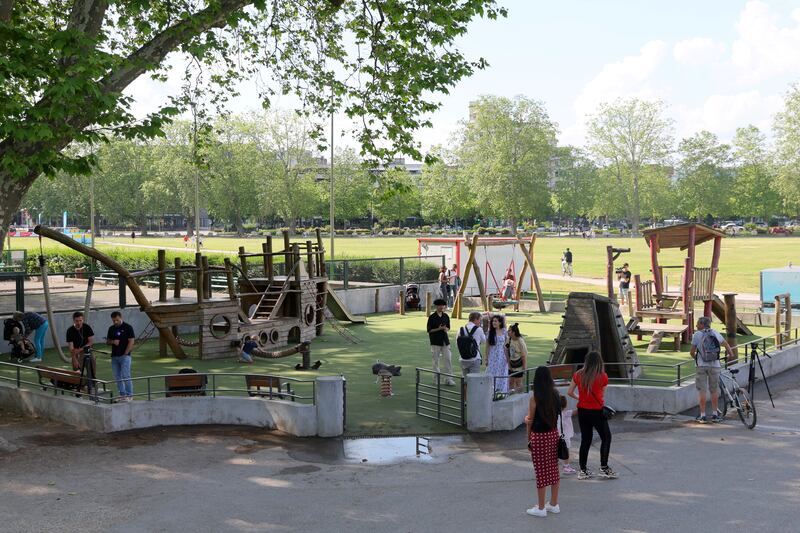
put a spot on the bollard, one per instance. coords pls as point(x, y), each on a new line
point(402, 307)
point(428, 302)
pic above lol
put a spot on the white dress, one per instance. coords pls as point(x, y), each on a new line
point(498, 366)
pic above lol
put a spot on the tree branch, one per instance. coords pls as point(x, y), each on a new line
point(87, 16)
point(154, 52)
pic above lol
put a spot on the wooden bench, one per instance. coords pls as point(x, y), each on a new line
point(185, 385)
point(562, 373)
point(268, 387)
point(59, 378)
point(658, 332)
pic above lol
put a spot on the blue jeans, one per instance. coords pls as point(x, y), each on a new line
point(247, 357)
point(121, 367)
point(38, 339)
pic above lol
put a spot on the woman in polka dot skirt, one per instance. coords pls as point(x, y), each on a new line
point(541, 421)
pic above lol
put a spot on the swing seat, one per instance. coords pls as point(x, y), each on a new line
point(502, 304)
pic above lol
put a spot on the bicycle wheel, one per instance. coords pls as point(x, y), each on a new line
point(723, 400)
point(746, 408)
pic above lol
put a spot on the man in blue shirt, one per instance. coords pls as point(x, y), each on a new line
point(121, 338)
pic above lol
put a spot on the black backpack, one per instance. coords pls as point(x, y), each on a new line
point(467, 346)
point(8, 328)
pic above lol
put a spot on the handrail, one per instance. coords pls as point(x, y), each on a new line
point(796, 339)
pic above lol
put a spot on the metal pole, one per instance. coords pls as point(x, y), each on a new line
point(333, 231)
point(91, 206)
point(196, 184)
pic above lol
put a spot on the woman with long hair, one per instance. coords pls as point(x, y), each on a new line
point(542, 424)
point(591, 382)
point(517, 357)
point(497, 360)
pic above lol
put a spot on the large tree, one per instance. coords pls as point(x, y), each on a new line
point(445, 191)
point(575, 178)
point(65, 64)
point(627, 135)
point(507, 153)
point(704, 176)
point(753, 192)
point(787, 151)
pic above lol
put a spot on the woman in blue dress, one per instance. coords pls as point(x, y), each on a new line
point(497, 364)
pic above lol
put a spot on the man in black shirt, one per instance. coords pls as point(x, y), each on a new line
point(567, 259)
point(121, 338)
point(438, 326)
point(624, 283)
point(79, 335)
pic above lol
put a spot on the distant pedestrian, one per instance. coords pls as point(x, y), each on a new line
point(438, 327)
point(624, 277)
point(497, 364)
point(185, 241)
point(34, 322)
point(544, 409)
point(133, 236)
point(121, 338)
point(453, 282)
point(566, 263)
point(444, 284)
point(517, 358)
point(705, 351)
point(591, 382)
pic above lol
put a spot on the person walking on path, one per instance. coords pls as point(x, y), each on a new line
point(470, 355)
point(624, 278)
point(497, 364)
point(517, 358)
point(444, 284)
point(34, 322)
point(591, 382)
point(438, 328)
point(121, 338)
point(566, 263)
point(705, 350)
point(79, 336)
point(544, 410)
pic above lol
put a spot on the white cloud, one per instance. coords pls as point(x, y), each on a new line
point(698, 51)
point(721, 114)
point(625, 78)
point(764, 48)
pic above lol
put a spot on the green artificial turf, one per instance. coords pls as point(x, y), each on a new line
point(391, 338)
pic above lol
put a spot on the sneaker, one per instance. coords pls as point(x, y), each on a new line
point(701, 419)
point(585, 474)
point(568, 469)
point(607, 473)
point(555, 509)
point(35, 360)
point(716, 419)
point(535, 511)
point(450, 383)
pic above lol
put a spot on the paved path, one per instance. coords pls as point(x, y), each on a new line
point(675, 476)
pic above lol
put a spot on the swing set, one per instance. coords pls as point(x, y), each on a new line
point(498, 299)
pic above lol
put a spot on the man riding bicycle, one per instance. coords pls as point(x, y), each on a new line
point(706, 344)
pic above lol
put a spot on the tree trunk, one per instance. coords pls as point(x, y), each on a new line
point(513, 222)
point(12, 191)
point(635, 213)
point(239, 224)
point(292, 226)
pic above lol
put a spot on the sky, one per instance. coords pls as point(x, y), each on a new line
point(716, 64)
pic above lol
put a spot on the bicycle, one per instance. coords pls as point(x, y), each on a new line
point(732, 394)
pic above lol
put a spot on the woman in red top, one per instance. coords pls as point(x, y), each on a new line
point(591, 382)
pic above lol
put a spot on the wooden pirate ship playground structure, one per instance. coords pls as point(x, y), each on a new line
point(284, 312)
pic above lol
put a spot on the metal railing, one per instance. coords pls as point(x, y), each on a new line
point(437, 400)
point(212, 384)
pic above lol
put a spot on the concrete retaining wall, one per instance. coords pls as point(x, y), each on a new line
point(323, 419)
point(362, 301)
point(504, 415)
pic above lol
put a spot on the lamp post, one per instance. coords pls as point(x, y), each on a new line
point(91, 207)
point(333, 227)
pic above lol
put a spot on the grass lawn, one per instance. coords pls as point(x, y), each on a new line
point(387, 337)
point(742, 257)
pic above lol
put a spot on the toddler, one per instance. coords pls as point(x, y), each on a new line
point(565, 426)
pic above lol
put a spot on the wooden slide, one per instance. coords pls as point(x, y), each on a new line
point(718, 308)
point(339, 310)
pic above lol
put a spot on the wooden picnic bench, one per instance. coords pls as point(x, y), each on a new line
point(268, 387)
point(59, 378)
point(185, 385)
point(658, 332)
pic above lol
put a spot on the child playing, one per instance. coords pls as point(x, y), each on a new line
point(250, 344)
point(565, 426)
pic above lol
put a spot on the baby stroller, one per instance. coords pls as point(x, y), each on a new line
point(412, 297)
point(21, 347)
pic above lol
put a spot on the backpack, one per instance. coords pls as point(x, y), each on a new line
point(709, 347)
point(8, 329)
point(467, 347)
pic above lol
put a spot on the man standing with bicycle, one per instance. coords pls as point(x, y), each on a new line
point(706, 344)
